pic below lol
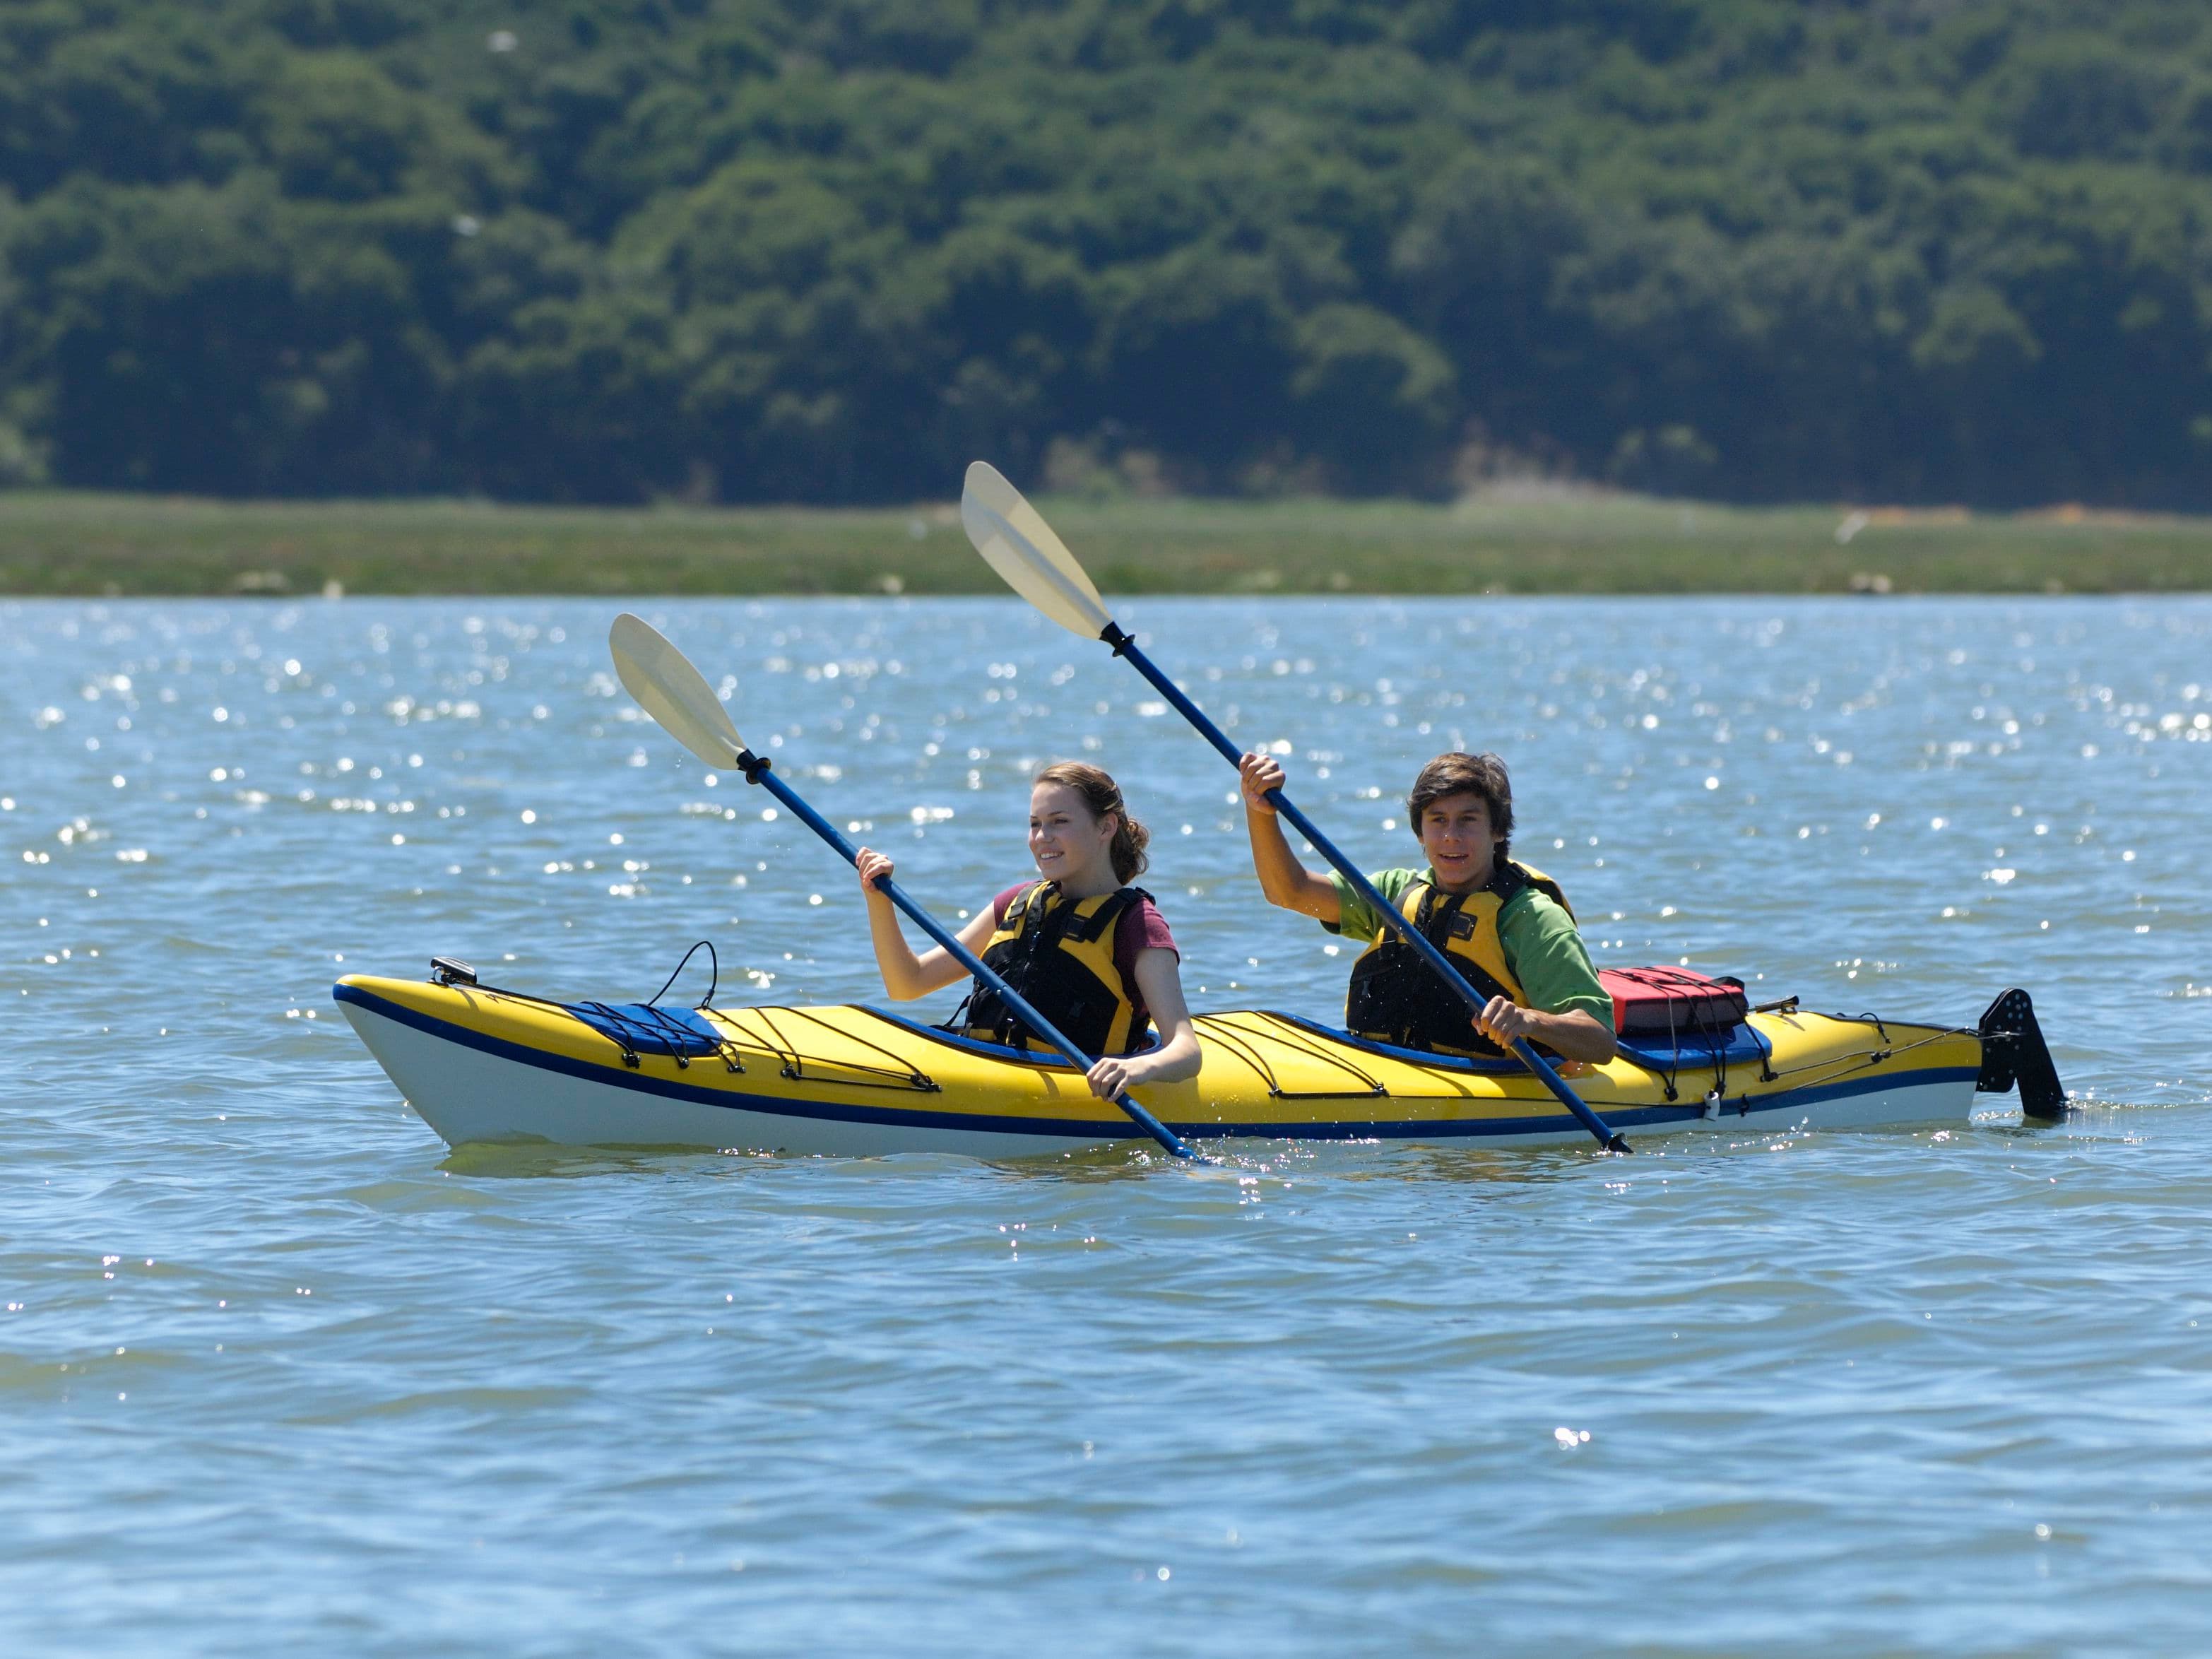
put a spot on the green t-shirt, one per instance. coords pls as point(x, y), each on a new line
point(1543, 946)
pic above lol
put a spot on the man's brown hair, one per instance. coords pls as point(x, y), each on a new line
point(1465, 775)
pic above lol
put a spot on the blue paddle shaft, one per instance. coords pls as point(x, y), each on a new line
point(758, 770)
point(1124, 646)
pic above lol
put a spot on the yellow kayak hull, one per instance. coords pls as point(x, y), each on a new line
point(484, 1065)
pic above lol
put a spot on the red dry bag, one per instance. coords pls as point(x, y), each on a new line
point(1655, 1001)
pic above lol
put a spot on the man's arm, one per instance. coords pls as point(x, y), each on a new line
point(1574, 1033)
point(1552, 963)
point(1284, 881)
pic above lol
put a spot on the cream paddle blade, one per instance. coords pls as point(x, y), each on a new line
point(1015, 542)
point(668, 688)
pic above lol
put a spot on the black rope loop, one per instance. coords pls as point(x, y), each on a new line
point(714, 971)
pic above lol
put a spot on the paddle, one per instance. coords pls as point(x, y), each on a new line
point(1015, 542)
point(668, 688)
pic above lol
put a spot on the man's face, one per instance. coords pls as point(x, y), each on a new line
point(1455, 833)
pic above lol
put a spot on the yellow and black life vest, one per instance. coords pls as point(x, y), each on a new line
point(1396, 997)
point(1060, 956)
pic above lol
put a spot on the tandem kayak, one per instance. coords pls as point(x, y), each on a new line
point(480, 1064)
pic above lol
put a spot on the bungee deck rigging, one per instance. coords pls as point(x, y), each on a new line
point(704, 1032)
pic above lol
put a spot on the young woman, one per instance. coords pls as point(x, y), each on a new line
point(1090, 952)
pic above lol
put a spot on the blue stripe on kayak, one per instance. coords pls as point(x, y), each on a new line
point(1619, 1114)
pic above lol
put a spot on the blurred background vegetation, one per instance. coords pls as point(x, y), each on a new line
point(115, 544)
point(827, 251)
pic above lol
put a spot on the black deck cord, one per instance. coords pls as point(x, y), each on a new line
point(1715, 1037)
point(1675, 1049)
point(1716, 1044)
point(670, 1032)
point(1874, 1019)
point(713, 973)
point(660, 1028)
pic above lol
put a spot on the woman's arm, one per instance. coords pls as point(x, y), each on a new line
point(1159, 978)
point(1283, 879)
point(906, 976)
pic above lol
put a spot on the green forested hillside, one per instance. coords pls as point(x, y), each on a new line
point(828, 250)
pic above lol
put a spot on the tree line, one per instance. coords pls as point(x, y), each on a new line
point(830, 250)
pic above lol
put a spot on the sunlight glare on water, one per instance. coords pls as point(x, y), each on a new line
point(286, 1371)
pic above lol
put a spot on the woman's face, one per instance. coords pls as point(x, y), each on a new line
point(1066, 839)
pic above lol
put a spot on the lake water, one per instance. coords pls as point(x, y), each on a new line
point(282, 1373)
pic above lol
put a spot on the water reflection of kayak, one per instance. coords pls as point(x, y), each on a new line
point(481, 1063)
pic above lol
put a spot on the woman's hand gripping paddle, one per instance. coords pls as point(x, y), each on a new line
point(1015, 542)
point(668, 688)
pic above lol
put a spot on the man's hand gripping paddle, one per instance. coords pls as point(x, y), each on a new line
point(1015, 542)
point(668, 688)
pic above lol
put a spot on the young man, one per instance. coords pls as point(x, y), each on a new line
point(1506, 928)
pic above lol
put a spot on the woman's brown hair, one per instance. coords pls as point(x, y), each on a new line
point(1103, 795)
point(1457, 773)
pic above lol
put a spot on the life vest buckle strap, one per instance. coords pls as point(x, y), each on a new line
point(1057, 953)
point(1394, 997)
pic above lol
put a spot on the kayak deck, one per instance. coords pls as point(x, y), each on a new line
point(484, 1065)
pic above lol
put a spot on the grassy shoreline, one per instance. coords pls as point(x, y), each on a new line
point(118, 545)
